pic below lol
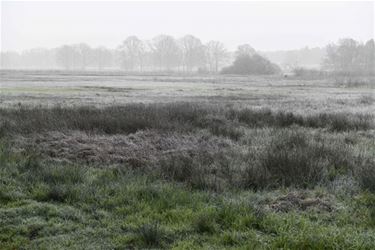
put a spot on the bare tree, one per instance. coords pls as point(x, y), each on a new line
point(131, 53)
point(166, 52)
point(216, 55)
point(192, 52)
point(75, 56)
point(84, 53)
point(148, 58)
point(65, 57)
point(344, 57)
point(101, 58)
point(10, 60)
point(38, 58)
point(369, 57)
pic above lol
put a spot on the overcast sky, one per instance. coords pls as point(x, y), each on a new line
point(264, 25)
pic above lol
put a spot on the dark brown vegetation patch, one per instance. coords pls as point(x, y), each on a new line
point(136, 150)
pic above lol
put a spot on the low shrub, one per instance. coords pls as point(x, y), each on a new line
point(251, 65)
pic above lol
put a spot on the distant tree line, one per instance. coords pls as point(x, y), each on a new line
point(347, 57)
point(188, 54)
point(39, 58)
point(310, 58)
point(351, 57)
point(162, 53)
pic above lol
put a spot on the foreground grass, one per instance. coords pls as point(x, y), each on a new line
point(186, 177)
point(65, 206)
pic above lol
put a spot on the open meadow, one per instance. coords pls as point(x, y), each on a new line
point(109, 160)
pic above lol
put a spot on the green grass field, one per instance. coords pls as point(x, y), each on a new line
point(115, 161)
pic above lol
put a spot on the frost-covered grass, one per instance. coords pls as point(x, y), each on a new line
point(185, 176)
point(236, 173)
point(47, 88)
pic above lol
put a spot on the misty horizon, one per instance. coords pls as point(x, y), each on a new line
point(266, 26)
point(307, 46)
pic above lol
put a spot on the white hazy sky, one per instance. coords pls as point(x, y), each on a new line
point(264, 25)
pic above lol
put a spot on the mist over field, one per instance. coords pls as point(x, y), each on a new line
point(98, 35)
point(187, 125)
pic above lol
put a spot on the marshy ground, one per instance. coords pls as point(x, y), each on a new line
point(106, 160)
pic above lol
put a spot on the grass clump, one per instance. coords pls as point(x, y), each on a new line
point(151, 235)
point(204, 223)
point(293, 159)
point(189, 167)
